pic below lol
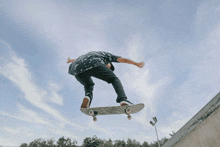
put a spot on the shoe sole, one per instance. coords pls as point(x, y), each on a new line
point(125, 103)
point(85, 103)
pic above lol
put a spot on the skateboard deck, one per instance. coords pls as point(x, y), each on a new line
point(128, 110)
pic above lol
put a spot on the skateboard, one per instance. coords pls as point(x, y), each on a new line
point(128, 110)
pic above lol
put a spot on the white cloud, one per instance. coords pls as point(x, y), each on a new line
point(26, 115)
point(139, 81)
point(62, 132)
point(218, 9)
point(16, 70)
point(31, 116)
point(54, 96)
point(18, 73)
point(206, 17)
point(71, 33)
point(11, 136)
point(59, 25)
point(17, 131)
point(93, 125)
point(12, 131)
point(4, 141)
point(175, 123)
point(201, 84)
point(204, 76)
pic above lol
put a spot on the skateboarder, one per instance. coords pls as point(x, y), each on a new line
point(98, 64)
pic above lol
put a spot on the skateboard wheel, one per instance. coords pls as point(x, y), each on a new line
point(128, 110)
point(129, 117)
point(91, 112)
point(94, 119)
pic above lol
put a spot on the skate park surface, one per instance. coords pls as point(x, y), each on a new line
point(202, 130)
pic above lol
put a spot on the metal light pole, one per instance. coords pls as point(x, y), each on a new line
point(154, 124)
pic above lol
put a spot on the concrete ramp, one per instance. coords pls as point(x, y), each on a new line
point(203, 130)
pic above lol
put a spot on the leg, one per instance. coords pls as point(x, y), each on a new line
point(88, 84)
point(104, 73)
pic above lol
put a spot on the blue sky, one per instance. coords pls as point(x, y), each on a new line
point(179, 42)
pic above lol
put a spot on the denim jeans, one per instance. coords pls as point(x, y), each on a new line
point(101, 72)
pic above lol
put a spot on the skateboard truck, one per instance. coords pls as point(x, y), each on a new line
point(128, 112)
point(93, 114)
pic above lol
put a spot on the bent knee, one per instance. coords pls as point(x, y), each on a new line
point(112, 80)
point(89, 85)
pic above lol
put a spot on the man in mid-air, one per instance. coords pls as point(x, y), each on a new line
point(98, 64)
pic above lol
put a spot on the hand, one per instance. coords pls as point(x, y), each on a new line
point(140, 64)
point(108, 65)
point(68, 60)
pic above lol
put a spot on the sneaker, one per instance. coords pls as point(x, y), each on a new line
point(85, 103)
point(126, 102)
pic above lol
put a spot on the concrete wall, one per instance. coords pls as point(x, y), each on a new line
point(203, 130)
point(206, 134)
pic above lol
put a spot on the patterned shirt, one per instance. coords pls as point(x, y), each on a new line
point(91, 60)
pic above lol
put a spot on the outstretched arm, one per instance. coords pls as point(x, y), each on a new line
point(70, 60)
point(124, 60)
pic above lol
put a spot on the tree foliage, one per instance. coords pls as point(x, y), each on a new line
point(145, 144)
point(91, 142)
point(120, 143)
point(62, 142)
